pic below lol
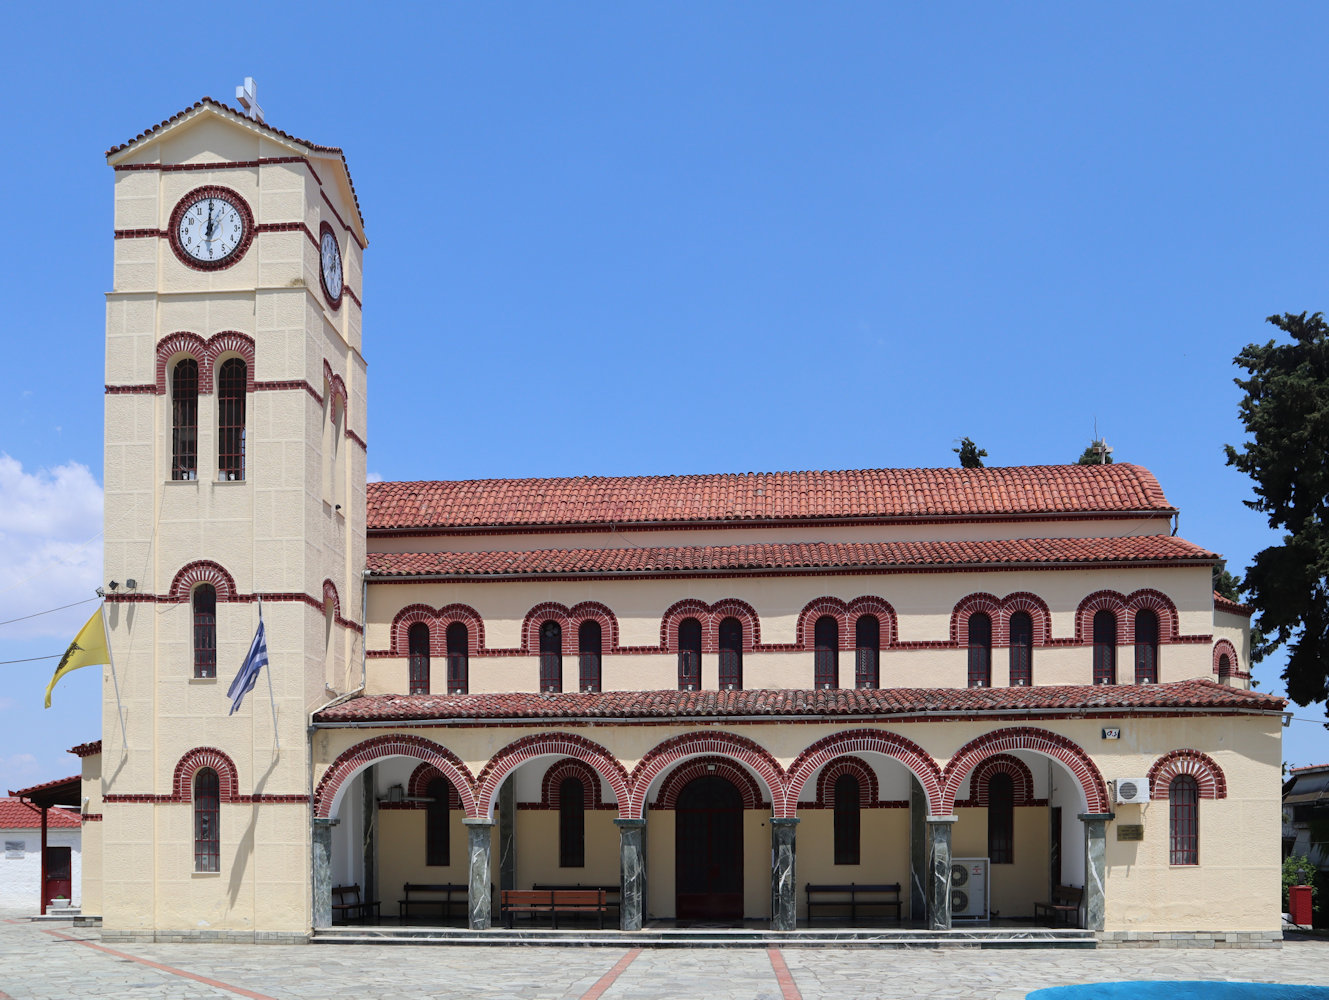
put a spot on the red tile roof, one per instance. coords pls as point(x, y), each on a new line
point(16, 815)
point(87, 749)
point(769, 496)
point(1222, 603)
point(226, 108)
point(1151, 549)
point(1192, 694)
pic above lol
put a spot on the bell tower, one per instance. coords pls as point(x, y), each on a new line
point(235, 481)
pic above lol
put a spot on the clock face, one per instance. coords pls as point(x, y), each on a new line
point(211, 228)
point(330, 264)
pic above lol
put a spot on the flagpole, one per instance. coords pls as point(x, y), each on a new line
point(110, 656)
point(276, 737)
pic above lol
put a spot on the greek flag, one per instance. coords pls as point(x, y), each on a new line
point(248, 676)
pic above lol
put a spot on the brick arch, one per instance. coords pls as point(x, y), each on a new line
point(1102, 600)
point(330, 594)
point(417, 786)
point(1209, 777)
point(537, 616)
point(856, 741)
point(669, 621)
point(468, 616)
point(597, 612)
point(1041, 741)
point(170, 347)
point(868, 791)
point(202, 571)
point(721, 744)
point(1040, 615)
point(987, 604)
point(1161, 605)
point(1225, 648)
point(515, 754)
point(336, 387)
point(351, 761)
point(719, 767)
point(815, 609)
point(235, 344)
point(410, 615)
point(732, 607)
point(1022, 781)
point(885, 613)
point(570, 767)
point(228, 778)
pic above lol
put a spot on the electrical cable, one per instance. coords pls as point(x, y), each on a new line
point(38, 614)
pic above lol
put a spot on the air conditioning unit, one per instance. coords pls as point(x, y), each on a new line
point(969, 888)
point(1131, 790)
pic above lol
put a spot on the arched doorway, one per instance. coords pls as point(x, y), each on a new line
point(708, 848)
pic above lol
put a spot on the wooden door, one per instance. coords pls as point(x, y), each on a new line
point(59, 875)
point(708, 851)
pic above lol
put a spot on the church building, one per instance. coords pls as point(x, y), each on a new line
point(997, 689)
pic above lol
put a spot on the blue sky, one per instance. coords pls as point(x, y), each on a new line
point(698, 237)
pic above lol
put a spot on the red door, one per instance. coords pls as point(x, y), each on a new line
point(708, 849)
point(59, 875)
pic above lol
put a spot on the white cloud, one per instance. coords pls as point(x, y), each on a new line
point(18, 770)
point(373, 477)
point(50, 546)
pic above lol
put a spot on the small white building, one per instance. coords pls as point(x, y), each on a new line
point(21, 863)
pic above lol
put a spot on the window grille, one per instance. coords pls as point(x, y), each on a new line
point(980, 650)
point(205, 631)
point(184, 420)
point(417, 642)
point(458, 640)
point(551, 657)
point(231, 382)
point(207, 814)
point(689, 655)
point(1022, 649)
point(867, 654)
point(1105, 648)
point(1183, 812)
point(731, 655)
point(588, 656)
point(1146, 647)
point(826, 658)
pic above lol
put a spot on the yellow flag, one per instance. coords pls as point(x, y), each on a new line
point(89, 648)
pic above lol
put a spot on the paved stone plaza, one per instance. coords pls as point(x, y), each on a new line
point(55, 960)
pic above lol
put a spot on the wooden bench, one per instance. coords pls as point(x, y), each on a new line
point(348, 904)
point(553, 902)
point(612, 892)
point(441, 897)
point(854, 896)
point(1064, 908)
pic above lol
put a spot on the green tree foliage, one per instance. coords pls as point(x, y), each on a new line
point(1096, 453)
point(971, 455)
point(1225, 583)
point(1286, 415)
point(1298, 870)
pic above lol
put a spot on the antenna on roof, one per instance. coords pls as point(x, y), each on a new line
point(247, 95)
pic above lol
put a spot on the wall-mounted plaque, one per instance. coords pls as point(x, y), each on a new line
point(1130, 831)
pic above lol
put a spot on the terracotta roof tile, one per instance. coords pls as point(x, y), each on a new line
point(1222, 603)
point(312, 146)
point(790, 556)
point(768, 496)
point(1196, 694)
point(87, 749)
point(16, 815)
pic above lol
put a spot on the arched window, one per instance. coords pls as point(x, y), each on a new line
point(1183, 797)
point(207, 815)
point(731, 655)
point(205, 631)
point(1224, 667)
point(588, 655)
point(231, 420)
point(438, 847)
point(980, 650)
point(417, 642)
point(184, 419)
point(551, 657)
point(826, 658)
point(459, 673)
point(1022, 649)
point(689, 655)
point(571, 823)
point(867, 653)
point(1001, 819)
point(846, 820)
point(1105, 648)
point(1146, 647)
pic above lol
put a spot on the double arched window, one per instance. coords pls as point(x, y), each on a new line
point(689, 655)
point(826, 658)
point(980, 650)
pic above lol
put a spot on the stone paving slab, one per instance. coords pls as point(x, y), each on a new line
point(41, 961)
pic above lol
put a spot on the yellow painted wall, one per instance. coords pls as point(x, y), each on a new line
point(883, 852)
point(537, 849)
point(1015, 887)
point(401, 854)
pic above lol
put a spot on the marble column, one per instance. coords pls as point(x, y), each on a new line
point(918, 852)
point(939, 844)
point(1095, 867)
point(784, 885)
point(507, 835)
point(322, 864)
point(631, 873)
point(479, 835)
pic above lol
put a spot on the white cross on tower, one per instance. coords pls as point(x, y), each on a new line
point(247, 95)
